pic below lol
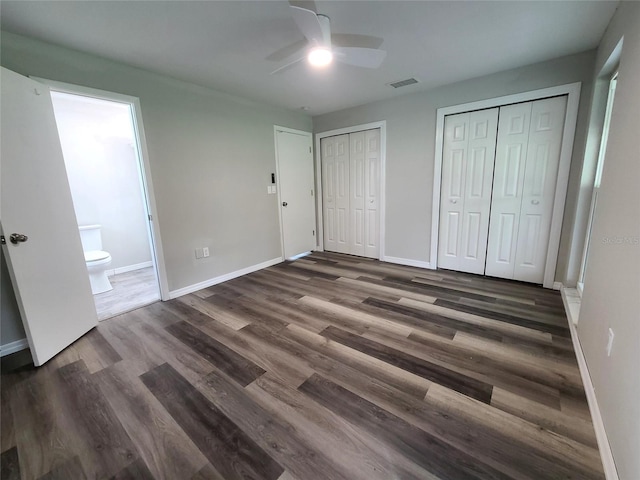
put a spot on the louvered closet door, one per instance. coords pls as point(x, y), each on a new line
point(526, 168)
point(335, 192)
point(467, 172)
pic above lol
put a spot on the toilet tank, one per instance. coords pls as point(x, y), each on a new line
point(91, 238)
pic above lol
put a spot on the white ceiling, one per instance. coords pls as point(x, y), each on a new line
point(224, 44)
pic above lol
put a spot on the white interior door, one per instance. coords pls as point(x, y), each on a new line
point(467, 174)
point(364, 175)
point(335, 192)
point(295, 173)
point(48, 270)
point(539, 186)
point(371, 173)
point(351, 193)
point(526, 169)
point(511, 156)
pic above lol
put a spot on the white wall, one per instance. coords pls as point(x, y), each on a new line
point(98, 142)
point(411, 125)
point(611, 297)
point(211, 156)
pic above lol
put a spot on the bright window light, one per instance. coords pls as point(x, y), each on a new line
point(320, 57)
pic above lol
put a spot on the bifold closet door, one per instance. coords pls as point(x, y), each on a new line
point(467, 173)
point(350, 193)
point(335, 192)
point(364, 175)
point(526, 169)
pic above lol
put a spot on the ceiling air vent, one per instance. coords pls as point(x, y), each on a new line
point(403, 83)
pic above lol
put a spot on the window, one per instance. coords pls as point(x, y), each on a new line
point(598, 178)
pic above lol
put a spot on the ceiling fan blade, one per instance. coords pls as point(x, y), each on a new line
point(286, 52)
point(286, 66)
point(360, 57)
point(354, 40)
point(308, 24)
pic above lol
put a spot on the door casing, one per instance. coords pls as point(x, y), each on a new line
point(572, 90)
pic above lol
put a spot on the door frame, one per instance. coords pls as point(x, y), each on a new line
point(157, 255)
point(382, 125)
point(572, 90)
point(276, 129)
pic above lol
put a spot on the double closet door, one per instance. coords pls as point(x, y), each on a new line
point(499, 176)
point(351, 193)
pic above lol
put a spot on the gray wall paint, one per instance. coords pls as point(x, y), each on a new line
point(611, 297)
point(11, 328)
point(211, 157)
point(411, 125)
point(103, 172)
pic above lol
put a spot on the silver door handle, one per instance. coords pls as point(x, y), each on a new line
point(16, 238)
point(535, 202)
point(453, 201)
point(284, 204)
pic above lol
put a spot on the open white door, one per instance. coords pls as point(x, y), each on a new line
point(297, 196)
point(47, 269)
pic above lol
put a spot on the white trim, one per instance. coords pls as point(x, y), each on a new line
point(129, 268)
point(13, 347)
point(557, 285)
point(276, 129)
point(145, 168)
point(223, 278)
point(382, 125)
point(606, 455)
point(572, 90)
point(407, 261)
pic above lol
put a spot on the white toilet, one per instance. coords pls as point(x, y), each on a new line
point(97, 260)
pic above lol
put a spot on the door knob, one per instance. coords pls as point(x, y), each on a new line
point(284, 204)
point(535, 202)
point(16, 238)
point(454, 201)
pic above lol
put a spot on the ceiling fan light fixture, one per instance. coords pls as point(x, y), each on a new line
point(320, 57)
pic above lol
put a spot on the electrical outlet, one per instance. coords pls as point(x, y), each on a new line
point(205, 252)
point(610, 342)
point(199, 253)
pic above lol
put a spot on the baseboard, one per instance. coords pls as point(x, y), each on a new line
point(557, 285)
point(13, 347)
point(129, 268)
point(407, 261)
point(606, 454)
point(223, 278)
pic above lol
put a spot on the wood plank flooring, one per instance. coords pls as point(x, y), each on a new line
point(328, 367)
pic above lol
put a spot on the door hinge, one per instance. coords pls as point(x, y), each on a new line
point(313, 232)
point(150, 217)
point(3, 241)
point(309, 149)
point(312, 192)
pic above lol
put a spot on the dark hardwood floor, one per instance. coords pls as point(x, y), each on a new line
point(329, 367)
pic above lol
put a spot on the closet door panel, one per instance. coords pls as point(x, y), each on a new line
point(467, 173)
point(456, 144)
point(543, 157)
point(327, 148)
point(357, 192)
point(508, 179)
point(372, 193)
point(335, 192)
point(483, 127)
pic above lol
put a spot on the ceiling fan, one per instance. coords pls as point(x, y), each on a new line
point(321, 47)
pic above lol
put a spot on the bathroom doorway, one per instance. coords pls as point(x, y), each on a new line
point(102, 153)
